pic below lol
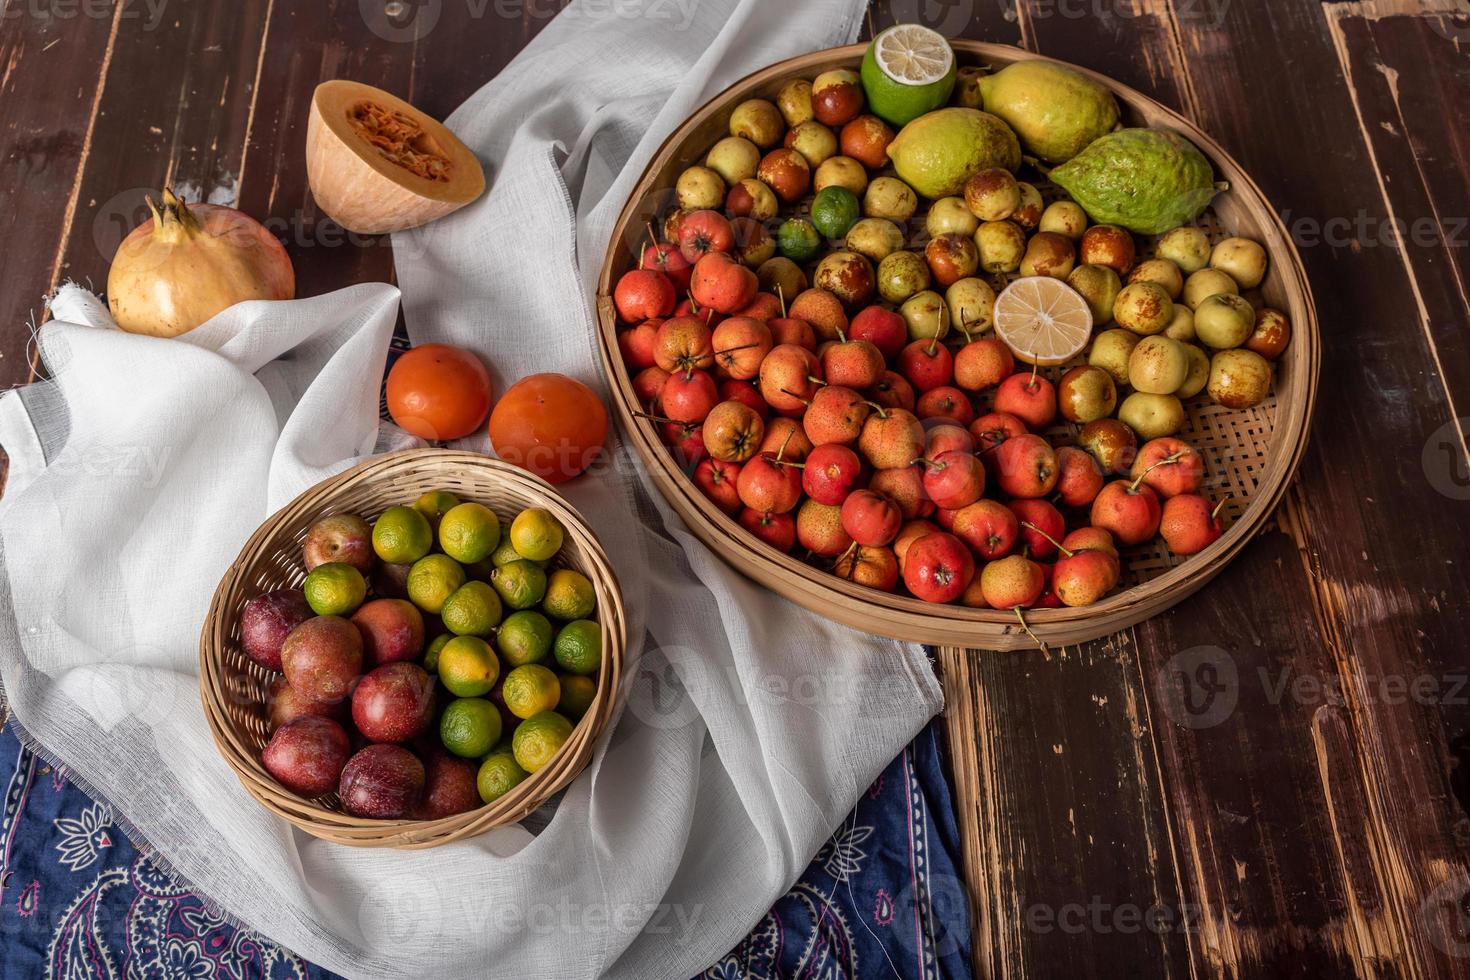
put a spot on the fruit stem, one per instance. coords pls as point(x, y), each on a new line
point(933, 345)
point(1028, 524)
point(1171, 458)
point(665, 421)
point(1025, 626)
point(788, 391)
point(1216, 512)
point(879, 410)
point(1034, 369)
point(781, 295)
point(651, 235)
point(731, 350)
point(816, 380)
point(782, 451)
point(172, 220)
point(963, 329)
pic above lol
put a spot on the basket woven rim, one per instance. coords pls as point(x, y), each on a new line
point(909, 618)
point(242, 756)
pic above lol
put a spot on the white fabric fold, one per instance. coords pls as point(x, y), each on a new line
point(750, 727)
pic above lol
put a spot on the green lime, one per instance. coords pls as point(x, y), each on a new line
point(402, 536)
point(468, 667)
point(334, 589)
point(579, 647)
point(432, 580)
point(431, 655)
point(473, 610)
point(434, 505)
point(528, 690)
point(469, 533)
point(539, 738)
point(498, 775)
point(798, 240)
point(505, 553)
point(536, 534)
point(521, 584)
point(576, 695)
point(569, 595)
point(908, 70)
point(470, 727)
point(835, 210)
point(524, 638)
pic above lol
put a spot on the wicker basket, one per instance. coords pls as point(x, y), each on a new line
point(233, 686)
point(1253, 453)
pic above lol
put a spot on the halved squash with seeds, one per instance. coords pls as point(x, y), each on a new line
point(376, 164)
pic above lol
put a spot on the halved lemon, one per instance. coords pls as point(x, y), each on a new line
point(907, 71)
point(1043, 320)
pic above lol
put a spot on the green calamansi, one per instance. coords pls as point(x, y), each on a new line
point(1055, 111)
point(1147, 180)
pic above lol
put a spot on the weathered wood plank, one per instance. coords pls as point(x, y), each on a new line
point(1061, 807)
point(50, 94)
point(1327, 753)
point(173, 106)
point(435, 56)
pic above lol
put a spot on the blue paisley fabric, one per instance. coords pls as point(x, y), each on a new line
point(883, 897)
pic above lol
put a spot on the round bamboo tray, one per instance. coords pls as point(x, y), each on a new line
point(233, 686)
point(1252, 454)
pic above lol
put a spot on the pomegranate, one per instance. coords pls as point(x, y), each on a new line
point(191, 261)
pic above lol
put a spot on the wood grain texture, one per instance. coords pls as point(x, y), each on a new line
point(1258, 761)
point(1311, 821)
point(49, 97)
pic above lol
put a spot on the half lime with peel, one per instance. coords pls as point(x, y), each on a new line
point(908, 70)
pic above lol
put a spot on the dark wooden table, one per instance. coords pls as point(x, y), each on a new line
point(1266, 781)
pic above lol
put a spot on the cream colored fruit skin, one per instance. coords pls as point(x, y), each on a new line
point(1199, 372)
point(1151, 416)
point(874, 238)
point(353, 193)
point(971, 304)
point(1204, 283)
point(1064, 218)
point(1242, 259)
point(1158, 366)
point(1239, 378)
point(1181, 328)
point(1111, 351)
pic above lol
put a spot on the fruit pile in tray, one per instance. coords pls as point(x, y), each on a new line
point(868, 339)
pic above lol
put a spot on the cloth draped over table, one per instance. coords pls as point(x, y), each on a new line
point(751, 726)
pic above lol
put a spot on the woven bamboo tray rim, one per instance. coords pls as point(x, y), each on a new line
point(1244, 207)
point(232, 688)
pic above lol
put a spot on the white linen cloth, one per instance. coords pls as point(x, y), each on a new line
point(752, 727)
